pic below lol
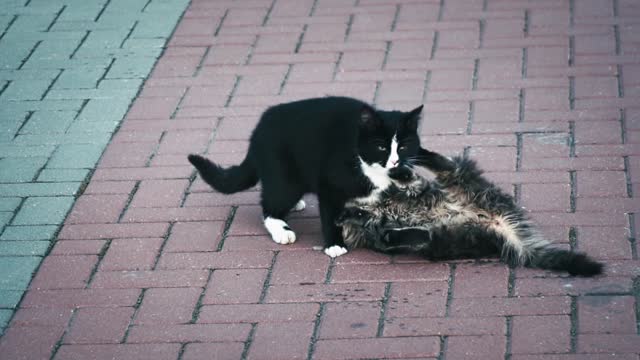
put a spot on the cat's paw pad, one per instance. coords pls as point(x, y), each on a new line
point(335, 251)
point(300, 205)
point(280, 231)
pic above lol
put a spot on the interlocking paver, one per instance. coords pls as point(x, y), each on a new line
point(24, 169)
point(131, 254)
point(606, 314)
point(10, 298)
point(24, 248)
point(5, 315)
point(120, 351)
point(115, 322)
point(350, 320)
point(29, 342)
point(17, 271)
point(235, 286)
point(35, 232)
point(476, 347)
point(543, 94)
point(58, 61)
point(65, 272)
point(80, 298)
point(205, 333)
point(551, 334)
point(43, 210)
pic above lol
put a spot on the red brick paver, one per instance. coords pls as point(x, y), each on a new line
point(152, 263)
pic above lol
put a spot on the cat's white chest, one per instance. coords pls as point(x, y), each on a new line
point(378, 176)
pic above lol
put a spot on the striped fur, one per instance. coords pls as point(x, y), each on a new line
point(458, 215)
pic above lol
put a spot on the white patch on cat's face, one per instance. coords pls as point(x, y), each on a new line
point(394, 158)
point(280, 231)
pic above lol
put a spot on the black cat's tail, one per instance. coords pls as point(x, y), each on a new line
point(227, 181)
point(576, 264)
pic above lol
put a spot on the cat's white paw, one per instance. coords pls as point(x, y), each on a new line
point(280, 231)
point(335, 251)
point(300, 205)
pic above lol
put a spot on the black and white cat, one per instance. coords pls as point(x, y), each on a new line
point(336, 147)
point(459, 215)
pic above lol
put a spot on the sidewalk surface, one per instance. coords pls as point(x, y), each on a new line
point(136, 258)
point(68, 72)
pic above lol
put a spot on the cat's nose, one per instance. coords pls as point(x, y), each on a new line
point(395, 162)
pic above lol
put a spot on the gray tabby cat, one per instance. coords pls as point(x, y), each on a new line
point(459, 215)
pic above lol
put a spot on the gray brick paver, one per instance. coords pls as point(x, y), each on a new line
point(58, 111)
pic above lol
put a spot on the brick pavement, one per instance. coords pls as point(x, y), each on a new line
point(69, 69)
point(151, 263)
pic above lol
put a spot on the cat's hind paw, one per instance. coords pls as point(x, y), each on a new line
point(280, 231)
point(335, 251)
point(299, 206)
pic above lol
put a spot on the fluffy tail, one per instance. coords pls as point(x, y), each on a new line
point(227, 181)
point(576, 264)
point(471, 240)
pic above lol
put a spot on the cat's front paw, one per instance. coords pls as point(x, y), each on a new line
point(335, 251)
point(280, 232)
point(402, 174)
point(284, 237)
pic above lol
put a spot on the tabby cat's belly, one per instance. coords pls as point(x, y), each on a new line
point(444, 214)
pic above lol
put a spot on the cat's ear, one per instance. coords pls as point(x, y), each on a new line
point(368, 118)
point(413, 118)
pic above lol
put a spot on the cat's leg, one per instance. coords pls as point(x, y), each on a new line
point(461, 171)
point(433, 161)
point(440, 243)
point(462, 241)
point(278, 198)
point(280, 191)
point(401, 174)
point(403, 240)
point(330, 208)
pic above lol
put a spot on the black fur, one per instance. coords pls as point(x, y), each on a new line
point(459, 215)
point(227, 181)
point(315, 146)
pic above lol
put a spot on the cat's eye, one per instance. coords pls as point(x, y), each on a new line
point(382, 148)
point(402, 148)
